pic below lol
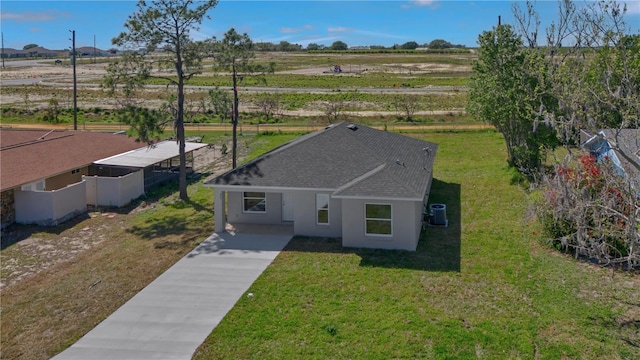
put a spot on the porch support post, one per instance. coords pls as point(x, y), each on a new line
point(219, 216)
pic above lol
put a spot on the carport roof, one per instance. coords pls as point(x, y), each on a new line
point(147, 156)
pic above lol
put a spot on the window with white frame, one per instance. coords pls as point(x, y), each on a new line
point(378, 220)
point(254, 202)
point(322, 209)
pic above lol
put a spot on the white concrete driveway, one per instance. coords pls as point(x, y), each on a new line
point(174, 314)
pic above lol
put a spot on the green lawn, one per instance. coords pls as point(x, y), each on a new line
point(482, 288)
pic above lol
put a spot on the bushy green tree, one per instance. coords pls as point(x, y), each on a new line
point(410, 45)
point(339, 45)
point(505, 93)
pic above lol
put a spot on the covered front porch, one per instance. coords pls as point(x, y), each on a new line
point(252, 206)
point(299, 208)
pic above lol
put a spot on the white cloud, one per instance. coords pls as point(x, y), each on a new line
point(292, 30)
point(30, 16)
point(378, 34)
point(338, 29)
point(286, 30)
point(424, 2)
point(429, 3)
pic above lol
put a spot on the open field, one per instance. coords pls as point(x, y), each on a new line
point(369, 85)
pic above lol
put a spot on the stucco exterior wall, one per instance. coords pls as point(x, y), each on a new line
point(305, 222)
point(114, 191)
point(273, 214)
point(50, 207)
point(405, 229)
point(62, 180)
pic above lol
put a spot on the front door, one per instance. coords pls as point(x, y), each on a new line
point(287, 206)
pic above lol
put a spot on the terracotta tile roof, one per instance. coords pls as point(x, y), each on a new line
point(31, 155)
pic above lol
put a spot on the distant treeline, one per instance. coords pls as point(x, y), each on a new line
point(392, 51)
point(436, 46)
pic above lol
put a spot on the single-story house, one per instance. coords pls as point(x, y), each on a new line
point(620, 146)
point(369, 187)
point(49, 176)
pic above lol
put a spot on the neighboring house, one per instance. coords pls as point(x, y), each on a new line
point(620, 146)
point(9, 53)
point(369, 187)
point(49, 176)
point(90, 51)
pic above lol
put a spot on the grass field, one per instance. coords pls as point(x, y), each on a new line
point(483, 288)
point(365, 80)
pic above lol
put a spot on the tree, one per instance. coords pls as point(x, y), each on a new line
point(588, 74)
point(167, 24)
point(222, 103)
point(313, 46)
point(287, 46)
point(339, 45)
point(504, 92)
point(53, 110)
point(29, 46)
point(268, 103)
point(406, 104)
point(233, 53)
point(334, 110)
point(410, 45)
point(440, 44)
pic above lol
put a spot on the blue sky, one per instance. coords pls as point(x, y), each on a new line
point(47, 23)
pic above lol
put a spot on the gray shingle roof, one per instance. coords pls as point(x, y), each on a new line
point(352, 160)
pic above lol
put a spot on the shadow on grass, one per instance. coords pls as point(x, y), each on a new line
point(438, 250)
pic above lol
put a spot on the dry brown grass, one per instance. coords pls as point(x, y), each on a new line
point(46, 312)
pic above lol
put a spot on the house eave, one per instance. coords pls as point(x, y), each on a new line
point(377, 198)
point(227, 187)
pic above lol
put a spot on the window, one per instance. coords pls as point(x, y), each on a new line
point(322, 209)
point(254, 202)
point(378, 219)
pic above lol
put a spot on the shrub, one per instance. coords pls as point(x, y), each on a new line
point(590, 210)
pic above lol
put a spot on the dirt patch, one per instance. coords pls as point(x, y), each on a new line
point(35, 249)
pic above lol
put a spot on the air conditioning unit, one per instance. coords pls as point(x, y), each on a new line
point(438, 214)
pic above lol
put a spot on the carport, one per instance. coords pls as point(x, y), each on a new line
point(159, 162)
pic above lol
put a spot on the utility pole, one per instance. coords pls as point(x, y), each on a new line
point(75, 85)
point(2, 55)
point(94, 48)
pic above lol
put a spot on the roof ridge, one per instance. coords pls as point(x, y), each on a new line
point(360, 178)
point(38, 140)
